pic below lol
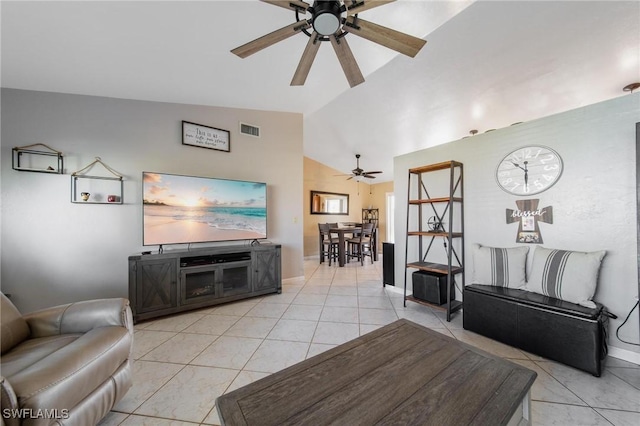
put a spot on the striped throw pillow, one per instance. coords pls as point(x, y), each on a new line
point(500, 267)
point(571, 276)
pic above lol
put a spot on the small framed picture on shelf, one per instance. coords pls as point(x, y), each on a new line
point(205, 137)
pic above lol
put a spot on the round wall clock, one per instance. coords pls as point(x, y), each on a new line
point(529, 170)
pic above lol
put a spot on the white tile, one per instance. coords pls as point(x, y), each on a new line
point(544, 413)
point(275, 355)
point(456, 319)
point(292, 288)
point(181, 348)
point(303, 312)
point(318, 348)
point(279, 298)
point(113, 418)
point(334, 333)
point(339, 314)
point(246, 377)
point(293, 330)
point(369, 284)
point(268, 310)
point(213, 324)
point(341, 300)
point(252, 327)
point(629, 375)
point(606, 391)
point(617, 362)
point(148, 377)
point(309, 299)
point(147, 340)
point(344, 281)
point(368, 328)
point(443, 330)
point(547, 389)
point(620, 418)
point(315, 289)
point(343, 290)
point(190, 394)
point(421, 315)
point(377, 316)
point(228, 352)
point(136, 420)
point(372, 292)
point(234, 308)
point(175, 323)
point(374, 302)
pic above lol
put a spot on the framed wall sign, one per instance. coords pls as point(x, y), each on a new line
point(205, 137)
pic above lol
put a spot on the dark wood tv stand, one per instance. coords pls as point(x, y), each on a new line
point(181, 280)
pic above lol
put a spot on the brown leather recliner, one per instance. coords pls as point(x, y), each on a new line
point(66, 365)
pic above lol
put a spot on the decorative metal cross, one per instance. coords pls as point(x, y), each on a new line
point(528, 215)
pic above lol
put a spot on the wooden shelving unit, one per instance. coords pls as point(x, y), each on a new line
point(370, 216)
point(428, 224)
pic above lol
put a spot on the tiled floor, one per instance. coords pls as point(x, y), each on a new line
point(183, 363)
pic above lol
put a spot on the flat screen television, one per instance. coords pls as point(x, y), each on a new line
point(181, 209)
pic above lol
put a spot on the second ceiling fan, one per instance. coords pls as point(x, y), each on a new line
point(359, 173)
point(332, 20)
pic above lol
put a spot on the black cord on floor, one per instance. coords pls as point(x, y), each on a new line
point(624, 322)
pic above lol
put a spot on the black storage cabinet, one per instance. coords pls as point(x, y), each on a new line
point(561, 331)
point(388, 264)
point(431, 287)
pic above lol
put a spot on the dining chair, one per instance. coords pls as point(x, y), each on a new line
point(329, 248)
point(360, 245)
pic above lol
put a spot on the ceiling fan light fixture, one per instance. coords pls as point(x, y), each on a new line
point(326, 19)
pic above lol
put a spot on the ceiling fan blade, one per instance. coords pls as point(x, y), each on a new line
point(368, 176)
point(289, 4)
point(306, 61)
point(396, 40)
point(357, 6)
point(349, 178)
point(372, 173)
point(269, 39)
point(347, 61)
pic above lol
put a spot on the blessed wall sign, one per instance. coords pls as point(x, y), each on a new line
point(528, 216)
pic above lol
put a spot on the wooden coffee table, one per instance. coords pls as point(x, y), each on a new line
point(402, 373)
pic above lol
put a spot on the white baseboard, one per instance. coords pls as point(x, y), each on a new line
point(624, 354)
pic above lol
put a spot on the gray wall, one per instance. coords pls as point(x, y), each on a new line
point(594, 202)
point(55, 252)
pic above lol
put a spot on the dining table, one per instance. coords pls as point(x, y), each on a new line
point(343, 232)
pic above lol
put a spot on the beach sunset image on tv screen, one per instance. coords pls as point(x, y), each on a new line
point(187, 209)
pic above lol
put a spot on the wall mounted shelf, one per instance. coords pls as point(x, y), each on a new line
point(93, 189)
point(37, 158)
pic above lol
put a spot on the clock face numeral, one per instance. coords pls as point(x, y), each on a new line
point(529, 170)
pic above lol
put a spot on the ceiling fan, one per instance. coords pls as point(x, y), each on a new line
point(359, 173)
point(332, 20)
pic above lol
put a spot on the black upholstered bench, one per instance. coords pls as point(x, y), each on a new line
point(554, 329)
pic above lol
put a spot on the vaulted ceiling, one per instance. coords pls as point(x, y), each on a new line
point(486, 65)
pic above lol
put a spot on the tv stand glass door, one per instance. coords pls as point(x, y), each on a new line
point(200, 283)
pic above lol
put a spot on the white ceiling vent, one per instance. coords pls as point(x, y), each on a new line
point(248, 129)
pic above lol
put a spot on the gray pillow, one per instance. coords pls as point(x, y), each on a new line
point(571, 276)
point(500, 267)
